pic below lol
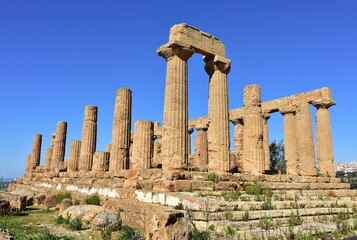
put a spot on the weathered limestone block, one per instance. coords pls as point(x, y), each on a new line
point(59, 145)
point(290, 140)
point(143, 141)
point(119, 153)
point(201, 147)
point(48, 157)
point(101, 161)
point(174, 134)
point(84, 212)
point(36, 151)
point(266, 116)
point(74, 153)
point(89, 138)
point(324, 144)
point(65, 203)
point(218, 132)
point(50, 201)
point(305, 141)
point(253, 149)
point(16, 202)
point(39, 199)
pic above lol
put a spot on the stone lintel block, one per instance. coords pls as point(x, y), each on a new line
point(192, 185)
point(176, 175)
point(326, 93)
point(164, 186)
point(151, 173)
point(287, 109)
point(146, 185)
point(226, 186)
point(131, 183)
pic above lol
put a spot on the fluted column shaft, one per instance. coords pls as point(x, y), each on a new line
point(119, 152)
point(36, 151)
point(266, 116)
point(89, 138)
point(218, 132)
point(108, 147)
point(74, 154)
point(28, 163)
point(100, 162)
point(253, 149)
point(59, 145)
point(48, 158)
point(324, 144)
point(201, 147)
point(175, 136)
point(290, 140)
point(305, 141)
point(238, 141)
point(143, 145)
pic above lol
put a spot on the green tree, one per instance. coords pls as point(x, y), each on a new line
point(277, 161)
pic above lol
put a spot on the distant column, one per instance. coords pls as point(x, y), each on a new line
point(189, 132)
point(59, 145)
point(290, 139)
point(238, 140)
point(218, 133)
point(175, 136)
point(89, 138)
point(157, 159)
point(305, 141)
point(48, 157)
point(324, 144)
point(253, 149)
point(143, 141)
point(201, 146)
point(28, 163)
point(36, 151)
point(119, 153)
point(74, 154)
point(108, 147)
point(266, 116)
point(100, 162)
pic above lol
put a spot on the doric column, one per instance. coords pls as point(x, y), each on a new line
point(119, 153)
point(290, 139)
point(266, 116)
point(324, 144)
point(189, 132)
point(238, 140)
point(59, 145)
point(48, 157)
point(28, 163)
point(108, 147)
point(36, 151)
point(143, 141)
point(100, 162)
point(201, 146)
point(253, 149)
point(89, 138)
point(74, 154)
point(175, 136)
point(157, 159)
point(305, 141)
point(218, 133)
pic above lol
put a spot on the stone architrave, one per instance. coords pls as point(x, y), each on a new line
point(253, 148)
point(201, 146)
point(142, 148)
point(305, 141)
point(266, 116)
point(175, 123)
point(28, 163)
point(59, 145)
point(89, 138)
point(119, 152)
point(74, 154)
point(100, 162)
point(290, 140)
point(48, 157)
point(218, 113)
point(324, 144)
point(36, 151)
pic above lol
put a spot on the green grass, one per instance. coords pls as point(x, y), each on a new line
point(61, 196)
point(92, 200)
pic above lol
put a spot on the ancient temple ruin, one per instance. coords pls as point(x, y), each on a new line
point(151, 163)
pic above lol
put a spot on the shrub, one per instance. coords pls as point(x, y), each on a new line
point(231, 195)
point(211, 227)
point(179, 206)
point(75, 224)
point(295, 219)
point(229, 215)
point(213, 177)
point(106, 234)
point(343, 215)
point(266, 205)
point(256, 189)
point(59, 219)
point(61, 196)
point(266, 223)
point(268, 192)
point(129, 233)
point(229, 231)
point(92, 200)
point(246, 216)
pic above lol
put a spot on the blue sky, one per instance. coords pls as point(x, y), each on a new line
point(58, 56)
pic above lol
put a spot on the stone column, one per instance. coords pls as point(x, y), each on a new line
point(175, 136)
point(100, 162)
point(36, 151)
point(290, 139)
point(266, 116)
point(238, 141)
point(143, 141)
point(157, 159)
point(59, 145)
point(28, 163)
point(189, 132)
point(119, 153)
point(89, 138)
point(48, 157)
point(74, 154)
point(324, 144)
point(305, 141)
point(218, 133)
point(201, 147)
point(108, 147)
point(253, 148)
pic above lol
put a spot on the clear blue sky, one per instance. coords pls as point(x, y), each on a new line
point(58, 56)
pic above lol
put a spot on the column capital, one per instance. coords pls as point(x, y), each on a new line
point(288, 110)
point(265, 115)
point(217, 63)
point(201, 127)
point(190, 130)
point(236, 121)
point(175, 49)
point(323, 103)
